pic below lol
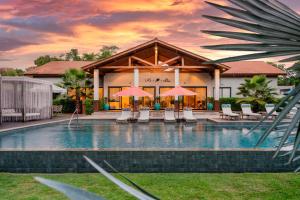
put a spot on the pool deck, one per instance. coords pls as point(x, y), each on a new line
point(159, 115)
point(112, 115)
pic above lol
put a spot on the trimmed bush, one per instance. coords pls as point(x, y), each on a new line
point(69, 105)
point(88, 106)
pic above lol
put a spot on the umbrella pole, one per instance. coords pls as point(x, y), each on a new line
point(178, 108)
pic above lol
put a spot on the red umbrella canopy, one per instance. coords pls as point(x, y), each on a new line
point(133, 91)
point(178, 91)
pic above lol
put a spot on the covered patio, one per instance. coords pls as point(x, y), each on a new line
point(156, 67)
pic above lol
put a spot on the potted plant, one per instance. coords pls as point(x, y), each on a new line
point(157, 104)
point(105, 105)
point(210, 105)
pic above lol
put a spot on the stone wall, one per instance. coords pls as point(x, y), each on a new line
point(144, 161)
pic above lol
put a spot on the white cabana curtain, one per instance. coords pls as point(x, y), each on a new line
point(27, 96)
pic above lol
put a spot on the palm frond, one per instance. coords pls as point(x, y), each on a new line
point(274, 27)
point(130, 181)
point(275, 30)
point(119, 183)
point(71, 192)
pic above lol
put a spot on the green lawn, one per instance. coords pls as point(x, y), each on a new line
point(165, 186)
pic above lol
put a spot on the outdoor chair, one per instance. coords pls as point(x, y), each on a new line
point(227, 112)
point(57, 109)
point(269, 108)
point(246, 111)
point(144, 115)
point(188, 115)
point(125, 116)
point(169, 115)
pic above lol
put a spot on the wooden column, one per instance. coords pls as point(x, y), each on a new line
point(96, 90)
point(156, 54)
point(217, 90)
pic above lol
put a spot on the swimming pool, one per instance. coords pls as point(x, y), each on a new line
point(96, 134)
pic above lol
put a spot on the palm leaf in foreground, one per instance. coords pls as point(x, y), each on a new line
point(130, 190)
point(275, 30)
point(71, 192)
point(130, 181)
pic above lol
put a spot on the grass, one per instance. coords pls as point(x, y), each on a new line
point(165, 186)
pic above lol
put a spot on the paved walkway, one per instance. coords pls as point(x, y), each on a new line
point(12, 125)
point(153, 115)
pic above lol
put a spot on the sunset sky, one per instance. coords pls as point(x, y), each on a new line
point(30, 28)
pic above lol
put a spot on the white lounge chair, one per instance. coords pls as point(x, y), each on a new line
point(246, 111)
point(144, 115)
point(269, 108)
point(227, 112)
point(125, 116)
point(169, 115)
point(188, 115)
point(8, 112)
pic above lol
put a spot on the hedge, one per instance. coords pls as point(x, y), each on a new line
point(232, 101)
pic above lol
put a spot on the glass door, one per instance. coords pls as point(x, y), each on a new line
point(166, 102)
point(114, 102)
point(198, 102)
point(126, 101)
point(148, 101)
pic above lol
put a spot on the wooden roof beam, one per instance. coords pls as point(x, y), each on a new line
point(142, 61)
point(170, 60)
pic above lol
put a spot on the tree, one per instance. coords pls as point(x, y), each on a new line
point(75, 79)
point(45, 59)
point(89, 57)
point(257, 92)
point(107, 51)
point(73, 54)
point(291, 78)
point(11, 72)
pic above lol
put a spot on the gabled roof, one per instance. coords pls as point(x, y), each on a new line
point(56, 68)
point(148, 44)
point(251, 68)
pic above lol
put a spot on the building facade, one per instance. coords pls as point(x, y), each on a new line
point(157, 66)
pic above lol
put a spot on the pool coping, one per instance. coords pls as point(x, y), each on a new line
point(31, 125)
point(142, 149)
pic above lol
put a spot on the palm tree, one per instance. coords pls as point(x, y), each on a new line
point(257, 92)
point(75, 79)
point(275, 31)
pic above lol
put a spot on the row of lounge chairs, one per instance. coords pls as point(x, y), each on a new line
point(144, 115)
point(246, 112)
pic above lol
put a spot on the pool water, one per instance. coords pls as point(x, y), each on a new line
point(95, 134)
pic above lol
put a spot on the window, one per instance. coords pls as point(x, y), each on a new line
point(225, 92)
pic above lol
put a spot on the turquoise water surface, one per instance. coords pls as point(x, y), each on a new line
point(95, 134)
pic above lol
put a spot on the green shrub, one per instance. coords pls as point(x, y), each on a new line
point(89, 106)
point(69, 105)
point(232, 101)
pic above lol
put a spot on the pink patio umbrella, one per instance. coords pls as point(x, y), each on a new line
point(178, 91)
point(131, 92)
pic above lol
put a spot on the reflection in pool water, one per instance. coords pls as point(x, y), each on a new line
point(93, 134)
